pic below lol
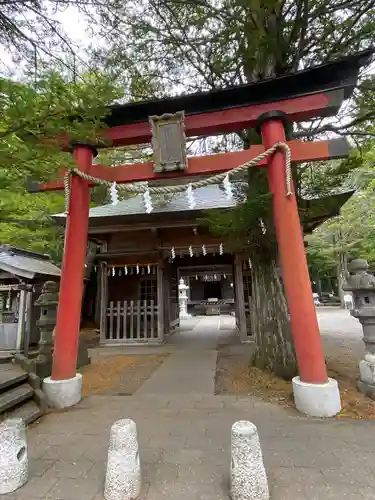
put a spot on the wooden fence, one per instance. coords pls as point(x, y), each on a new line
point(133, 321)
point(174, 317)
point(249, 314)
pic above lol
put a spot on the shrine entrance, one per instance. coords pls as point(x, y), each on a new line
point(270, 107)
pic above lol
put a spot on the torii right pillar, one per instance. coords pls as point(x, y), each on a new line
point(314, 393)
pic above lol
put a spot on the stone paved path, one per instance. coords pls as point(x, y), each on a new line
point(184, 444)
point(191, 371)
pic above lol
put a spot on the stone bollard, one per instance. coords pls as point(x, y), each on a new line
point(13, 455)
point(248, 479)
point(362, 286)
point(123, 477)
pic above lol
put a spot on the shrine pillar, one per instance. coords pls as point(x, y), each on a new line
point(63, 388)
point(315, 394)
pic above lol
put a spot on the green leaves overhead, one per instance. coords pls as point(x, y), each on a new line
point(35, 116)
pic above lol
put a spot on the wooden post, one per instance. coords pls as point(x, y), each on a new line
point(103, 300)
point(160, 299)
point(166, 301)
point(240, 297)
point(21, 319)
point(28, 316)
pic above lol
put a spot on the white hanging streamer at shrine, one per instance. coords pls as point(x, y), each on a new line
point(190, 196)
point(147, 200)
point(221, 249)
point(113, 193)
point(228, 187)
point(191, 251)
point(173, 253)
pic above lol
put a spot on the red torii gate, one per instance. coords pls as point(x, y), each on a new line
point(268, 106)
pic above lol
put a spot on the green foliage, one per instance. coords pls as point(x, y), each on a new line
point(34, 115)
point(352, 233)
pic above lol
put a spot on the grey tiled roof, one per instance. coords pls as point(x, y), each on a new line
point(205, 198)
point(26, 264)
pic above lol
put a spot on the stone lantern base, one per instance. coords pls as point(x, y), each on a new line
point(366, 389)
point(366, 384)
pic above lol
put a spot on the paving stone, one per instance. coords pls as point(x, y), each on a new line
point(350, 475)
point(208, 404)
point(37, 451)
point(184, 457)
point(367, 492)
point(69, 469)
point(73, 489)
point(186, 491)
point(36, 487)
point(38, 466)
point(205, 474)
point(290, 492)
point(195, 442)
point(357, 458)
point(151, 456)
point(284, 476)
point(68, 452)
point(171, 443)
point(160, 473)
point(333, 492)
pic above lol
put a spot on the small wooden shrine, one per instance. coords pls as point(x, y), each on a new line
point(22, 274)
point(141, 257)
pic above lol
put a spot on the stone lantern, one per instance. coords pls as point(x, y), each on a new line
point(362, 286)
point(183, 298)
point(47, 302)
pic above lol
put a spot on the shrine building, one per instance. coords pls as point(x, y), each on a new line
point(137, 260)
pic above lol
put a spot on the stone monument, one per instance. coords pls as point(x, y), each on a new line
point(42, 363)
point(123, 477)
point(248, 479)
point(14, 466)
point(362, 286)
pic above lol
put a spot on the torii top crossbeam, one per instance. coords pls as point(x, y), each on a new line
point(312, 93)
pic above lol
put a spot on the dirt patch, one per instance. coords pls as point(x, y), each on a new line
point(234, 376)
point(119, 374)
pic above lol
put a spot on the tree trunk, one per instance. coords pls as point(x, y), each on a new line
point(270, 321)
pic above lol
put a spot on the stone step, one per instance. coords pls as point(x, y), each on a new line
point(11, 375)
point(6, 357)
point(13, 397)
point(28, 411)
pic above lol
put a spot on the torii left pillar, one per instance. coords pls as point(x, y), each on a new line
point(63, 388)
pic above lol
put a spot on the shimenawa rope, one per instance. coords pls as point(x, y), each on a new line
point(214, 179)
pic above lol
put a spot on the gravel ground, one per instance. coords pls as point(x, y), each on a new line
point(343, 348)
point(119, 375)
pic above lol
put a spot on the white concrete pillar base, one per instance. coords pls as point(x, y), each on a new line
point(63, 393)
point(317, 400)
